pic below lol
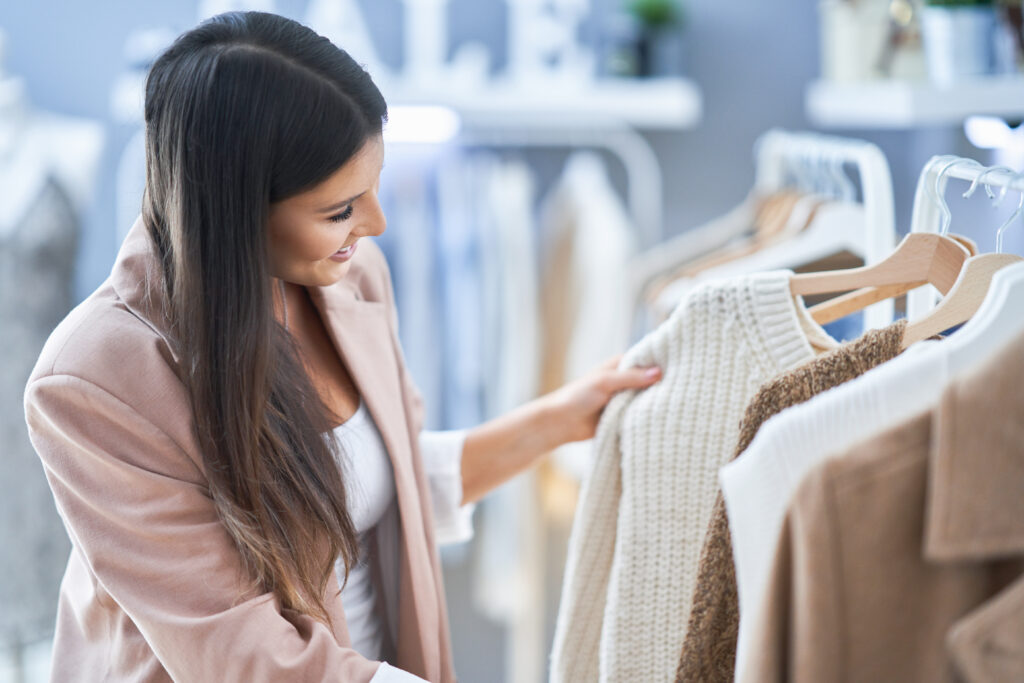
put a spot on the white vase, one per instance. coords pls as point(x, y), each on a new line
point(958, 42)
point(853, 37)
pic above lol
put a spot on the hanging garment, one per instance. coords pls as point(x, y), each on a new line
point(758, 486)
point(413, 252)
point(646, 503)
point(902, 559)
point(36, 267)
point(511, 257)
point(709, 650)
point(586, 305)
point(461, 222)
point(511, 326)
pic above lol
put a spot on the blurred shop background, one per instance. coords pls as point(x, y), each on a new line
point(535, 149)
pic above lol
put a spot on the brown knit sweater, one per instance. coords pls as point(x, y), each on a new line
point(709, 650)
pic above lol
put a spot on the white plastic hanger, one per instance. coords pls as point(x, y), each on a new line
point(930, 216)
point(972, 286)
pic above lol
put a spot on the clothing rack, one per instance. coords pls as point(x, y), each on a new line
point(777, 151)
point(643, 171)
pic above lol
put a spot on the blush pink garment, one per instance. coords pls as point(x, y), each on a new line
point(154, 589)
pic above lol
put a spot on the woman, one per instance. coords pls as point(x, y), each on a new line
point(227, 423)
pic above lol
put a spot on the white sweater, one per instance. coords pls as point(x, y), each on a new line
point(644, 508)
point(758, 486)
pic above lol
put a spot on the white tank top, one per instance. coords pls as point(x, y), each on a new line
point(370, 487)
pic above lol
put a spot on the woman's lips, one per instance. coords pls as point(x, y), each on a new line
point(345, 254)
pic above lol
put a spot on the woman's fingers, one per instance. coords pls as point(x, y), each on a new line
point(633, 378)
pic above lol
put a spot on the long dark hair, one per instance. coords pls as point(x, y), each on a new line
point(244, 110)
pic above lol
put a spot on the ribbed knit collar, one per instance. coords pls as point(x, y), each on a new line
point(782, 325)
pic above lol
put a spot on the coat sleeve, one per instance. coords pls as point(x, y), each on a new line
point(140, 514)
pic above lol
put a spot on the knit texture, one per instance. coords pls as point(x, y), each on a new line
point(645, 507)
point(709, 649)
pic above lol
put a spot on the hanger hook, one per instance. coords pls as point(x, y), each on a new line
point(947, 215)
point(980, 177)
point(1011, 219)
point(929, 190)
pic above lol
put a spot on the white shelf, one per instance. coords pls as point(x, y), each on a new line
point(904, 104)
point(662, 103)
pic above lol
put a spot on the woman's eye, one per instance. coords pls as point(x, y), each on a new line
point(343, 216)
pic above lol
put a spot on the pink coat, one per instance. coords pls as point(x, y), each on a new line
point(154, 588)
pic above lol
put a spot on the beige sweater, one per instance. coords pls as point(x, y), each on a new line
point(645, 506)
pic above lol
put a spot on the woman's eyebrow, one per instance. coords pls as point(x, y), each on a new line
point(335, 207)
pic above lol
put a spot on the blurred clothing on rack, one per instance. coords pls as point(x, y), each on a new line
point(586, 306)
point(510, 327)
point(37, 253)
point(48, 167)
point(461, 221)
point(511, 284)
point(408, 197)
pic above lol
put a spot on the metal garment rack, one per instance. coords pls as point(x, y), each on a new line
point(619, 139)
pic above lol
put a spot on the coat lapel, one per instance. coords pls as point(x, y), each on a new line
point(360, 332)
point(988, 643)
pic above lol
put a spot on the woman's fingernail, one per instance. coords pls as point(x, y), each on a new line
point(652, 372)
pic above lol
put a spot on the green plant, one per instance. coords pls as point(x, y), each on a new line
point(656, 13)
point(959, 3)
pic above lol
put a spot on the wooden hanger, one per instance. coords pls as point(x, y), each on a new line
point(943, 278)
point(792, 214)
point(963, 299)
point(999, 320)
point(921, 258)
point(770, 218)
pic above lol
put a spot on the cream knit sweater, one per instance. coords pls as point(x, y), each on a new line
point(643, 511)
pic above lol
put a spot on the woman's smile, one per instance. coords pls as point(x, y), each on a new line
point(344, 254)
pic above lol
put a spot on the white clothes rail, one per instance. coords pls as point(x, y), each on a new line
point(777, 151)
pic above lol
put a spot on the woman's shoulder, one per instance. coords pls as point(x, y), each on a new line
point(106, 373)
point(103, 342)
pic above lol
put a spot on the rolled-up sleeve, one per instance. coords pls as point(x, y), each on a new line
point(442, 460)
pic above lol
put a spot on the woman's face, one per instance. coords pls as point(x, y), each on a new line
point(312, 235)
